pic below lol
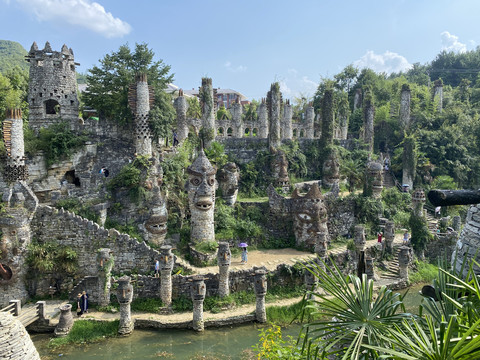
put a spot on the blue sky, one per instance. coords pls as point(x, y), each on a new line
point(247, 45)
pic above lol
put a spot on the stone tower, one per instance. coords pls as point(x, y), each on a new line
point(309, 122)
point(207, 102)
point(15, 168)
point(263, 120)
point(405, 106)
point(52, 88)
point(237, 110)
point(368, 117)
point(201, 197)
point(274, 102)
point(140, 98)
point(181, 105)
point(287, 132)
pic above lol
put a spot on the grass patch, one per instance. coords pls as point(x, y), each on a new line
point(285, 315)
point(85, 331)
point(147, 305)
point(425, 273)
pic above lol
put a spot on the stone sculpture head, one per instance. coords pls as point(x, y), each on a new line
point(124, 290)
point(228, 178)
point(280, 170)
point(167, 259)
point(198, 288)
point(375, 177)
point(103, 258)
point(260, 282)
point(309, 217)
point(156, 224)
point(331, 169)
point(359, 237)
point(224, 255)
point(201, 184)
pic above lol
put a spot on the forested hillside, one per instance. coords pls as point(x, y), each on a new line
point(12, 54)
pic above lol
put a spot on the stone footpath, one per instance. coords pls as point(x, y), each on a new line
point(242, 314)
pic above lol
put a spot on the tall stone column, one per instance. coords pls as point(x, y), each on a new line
point(331, 170)
point(409, 161)
point(310, 282)
point(274, 103)
point(357, 100)
point(208, 110)
point(438, 94)
point(370, 268)
point(389, 236)
point(360, 242)
point(343, 114)
point(140, 98)
point(260, 292)
point(262, 112)
point(457, 223)
point(405, 106)
point(181, 106)
point(104, 270)
point(198, 291)
point(201, 196)
point(287, 132)
point(167, 261)
point(368, 117)
point(309, 122)
point(224, 259)
point(468, 244)
point(404, 259)
point(15, 168)
point(327, 119)
point(418, 200)
point(237, 110)
point(65, 322)
point(125, 296)
point(374, 179)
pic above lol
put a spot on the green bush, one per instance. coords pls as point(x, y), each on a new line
point(76, 206)
point(147, 305)
point(425, 273)
point(86, 331)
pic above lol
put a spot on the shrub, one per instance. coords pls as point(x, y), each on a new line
point(85, 331)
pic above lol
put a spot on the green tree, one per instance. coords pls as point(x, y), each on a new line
point(194, 110)
point(108, 83)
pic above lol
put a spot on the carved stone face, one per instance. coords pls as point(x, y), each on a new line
point(331, 170)
point(103, 257)
point(156, 224)
point(228, 178)
point(124, 290)
point(260, 282)
point(224, 255)
point(309, 221)
point(166, 258)
point(198, 289)
point(280, 170)
point(359, 238)
point(375, 172)
point(201, 190)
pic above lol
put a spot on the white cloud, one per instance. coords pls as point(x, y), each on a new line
point(450, 43)
point(295, 85)
point(239, 68)
point(82, 13)
point(387, 62)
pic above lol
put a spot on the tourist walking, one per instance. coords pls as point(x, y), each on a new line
point(157, 268)
point(405, 238)
point(84, 302)
point(79, 305)
point(379, 238)
point(244, 252)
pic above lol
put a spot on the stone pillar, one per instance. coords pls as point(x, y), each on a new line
point(327, 119)
point(309, 122)
point(201, 196)
point(468, 244)
point(224, 258)
point(237, 110)
point(357, 100)
point(260, 292)
point(208, 111)
point(360, 241)
point(403, 261)
point(457, 223)
point(262, 112)
point(405, 106)
point(369, 268)
point(41, 310)
point(167, 260)
point(140, 98)
point(279, 168)
point(125, 296)
point(418, 200)
point(15, 343)
point(15, 168)
point(374, 179)
point(310, 282)
point(331, 170)
point(181, 106)
point(368, 117)
point(274, 103)
point(438, 94)
point(156, 224)
point(104, 270)
point(409, 161)
point(65, 322)
point(287, 132)
point(198, 291)
point(389, 236)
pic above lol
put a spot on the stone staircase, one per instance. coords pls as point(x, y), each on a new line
point(86, 284)
point(388, 181)
point(392, 267)
point(432, 223)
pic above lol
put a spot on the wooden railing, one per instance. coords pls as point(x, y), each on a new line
point(28, 317)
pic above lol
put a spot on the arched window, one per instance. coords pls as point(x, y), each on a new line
point(220, 131)
point(52, 107)
point(229, 131)
point(302, 134)
point(295, 133)
point(247, 132)
point(255, 131)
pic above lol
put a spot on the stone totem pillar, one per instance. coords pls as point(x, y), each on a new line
point(104, 271)
point(309, 122)
point(374, 179)
point(310, 282)
point(274, 103)
point(368, 116)
point(208, 110)
point(260, 292)
point(331, 170)
point(65, 322)
point(389, 236)
point(228, 178)
point(15, 168)
point(287, 121)
point(404, 259)
point(201, 195)
point(418, 200)
point(125, 296)
point(198, 291)
point(181, 106)
point(405, 106)
point(369, 268)
point(167, 261)
point(457, 223)
point(357, 100)
point(438, 94)
point(327, 119)
point(237, 110)
point(468, 244)
point(140, 97)
point(360, 242)
point(409, 161)
point(262, 112)
point(224, 258)
point(156, 224)
point(343, 114)
point(280, 170)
